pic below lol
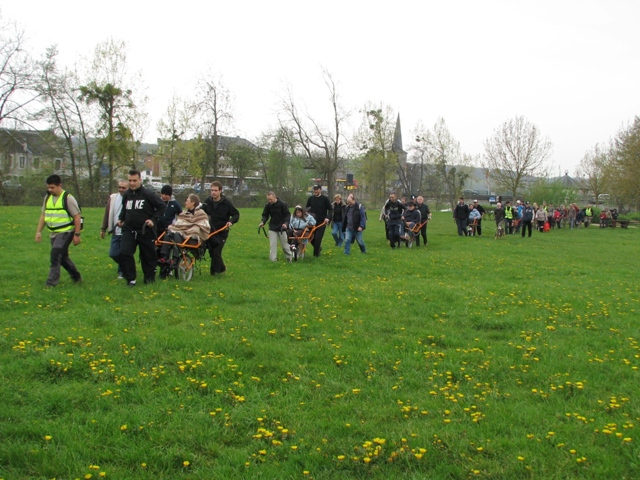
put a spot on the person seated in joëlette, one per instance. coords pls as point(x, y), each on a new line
point(193, 222)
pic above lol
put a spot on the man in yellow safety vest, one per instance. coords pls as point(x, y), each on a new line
point(61, 215)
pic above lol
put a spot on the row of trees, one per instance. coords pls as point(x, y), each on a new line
point(614, 168)
point(97, 111)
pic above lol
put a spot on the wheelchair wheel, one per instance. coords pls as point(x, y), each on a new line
point(410, 239)
point(184, 269)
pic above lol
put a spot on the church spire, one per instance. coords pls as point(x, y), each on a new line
point(397, 138)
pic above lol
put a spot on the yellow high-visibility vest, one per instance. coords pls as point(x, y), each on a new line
point(56, 216)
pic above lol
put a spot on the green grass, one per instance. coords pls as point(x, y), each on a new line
point(515, 358)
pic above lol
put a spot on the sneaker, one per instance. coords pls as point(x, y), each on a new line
point(120, 277)
point(132, 283)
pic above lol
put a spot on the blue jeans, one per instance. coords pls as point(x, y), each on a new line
point(350, 234)
point(114, 250)
point(336, 232)
point(462, 227)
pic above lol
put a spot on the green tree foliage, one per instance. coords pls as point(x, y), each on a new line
point(114, 142)
point(378, 163)
point(281, 168)
point(243, 159)
point(551, 191)
point(625, 165)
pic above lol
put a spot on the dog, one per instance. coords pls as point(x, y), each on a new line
point(499, 231)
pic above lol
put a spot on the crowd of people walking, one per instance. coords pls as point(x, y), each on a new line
point(136, 217)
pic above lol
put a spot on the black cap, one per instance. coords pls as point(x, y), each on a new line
point(166, 190)
point(317, 187)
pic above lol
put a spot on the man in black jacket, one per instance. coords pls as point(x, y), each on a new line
point(425, 215)
point(141, 211)
point(221, 213)
point(461, 216)
point(320, 206)
point(393, 210)
point(355, 221)
point(277, 212)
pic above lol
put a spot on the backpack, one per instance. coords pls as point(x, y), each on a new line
point(65, 195)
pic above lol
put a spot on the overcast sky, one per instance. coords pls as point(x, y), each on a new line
point(570, 67)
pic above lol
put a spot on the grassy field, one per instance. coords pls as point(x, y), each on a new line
point(472, 358)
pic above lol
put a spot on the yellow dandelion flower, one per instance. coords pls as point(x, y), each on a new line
point(48, 438)
point(521, 458)
point(186, 463)
point(123, 428)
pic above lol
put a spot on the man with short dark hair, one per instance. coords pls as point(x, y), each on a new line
point(221, 213)
point(425, 215)
point(172, 210)
point(61, 215)
point(141, 211)
point(320, 207)
point(393, 210)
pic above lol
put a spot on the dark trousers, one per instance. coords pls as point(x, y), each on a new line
point(526, 225)
point(509, 222)
point(60, 258)
point(317, 240)
point(479, 227)
point(462, 227)
point(215, 245)
point(148, 254)
point(423, 233)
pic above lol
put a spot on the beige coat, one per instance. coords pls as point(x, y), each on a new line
point(194, 224)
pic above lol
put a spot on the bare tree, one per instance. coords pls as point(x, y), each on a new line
point(173, 128)
point(516, 150)
point(378, 161)
point(17, 90)
point(446, 160)
point(594, 170)
point(214, 106)
point(59, 93)
point(320, 146)
point(280, 164)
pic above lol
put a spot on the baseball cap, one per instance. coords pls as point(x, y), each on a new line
point(475, 201)
point(317, 187)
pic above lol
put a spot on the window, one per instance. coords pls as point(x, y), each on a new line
point(58, 164)
point(21, 161)
point(36, 162)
